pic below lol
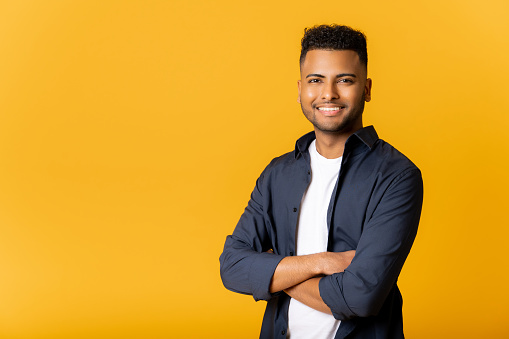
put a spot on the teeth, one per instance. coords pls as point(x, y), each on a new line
point(328, 108)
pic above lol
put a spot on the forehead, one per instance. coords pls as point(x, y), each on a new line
point(323, 61)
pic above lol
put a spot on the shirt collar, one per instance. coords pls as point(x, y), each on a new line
point(367, 136)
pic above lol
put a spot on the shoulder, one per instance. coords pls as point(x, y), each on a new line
point(392, 166)
point(392, 157)
point(281, 164)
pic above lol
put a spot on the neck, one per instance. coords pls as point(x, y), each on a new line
point(331, 145)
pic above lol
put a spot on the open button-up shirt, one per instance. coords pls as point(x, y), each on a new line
point(374, 209)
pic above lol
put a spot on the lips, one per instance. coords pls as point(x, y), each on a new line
point(330, 110)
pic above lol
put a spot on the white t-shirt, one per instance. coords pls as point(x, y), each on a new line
point(312, 237)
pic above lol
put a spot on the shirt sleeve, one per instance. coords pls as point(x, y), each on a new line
point(246, 267)
point(388, 235)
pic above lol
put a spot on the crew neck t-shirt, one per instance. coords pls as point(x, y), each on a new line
point(312, 237)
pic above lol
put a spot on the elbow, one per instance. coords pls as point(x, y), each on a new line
point(366, 308)
point(360, 310)
point(367, 301)
point(346, 302)
point(225, 273)
point(378, 304)
point(232, 275)
point(226, 279)
point(227, 284)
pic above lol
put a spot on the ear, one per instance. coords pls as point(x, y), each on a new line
point(298, 86)
point(367, 90)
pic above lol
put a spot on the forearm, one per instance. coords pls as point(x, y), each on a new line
point(293, 270)
point(296, 269)
point(308, 293)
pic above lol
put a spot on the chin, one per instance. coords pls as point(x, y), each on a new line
point(337, 129)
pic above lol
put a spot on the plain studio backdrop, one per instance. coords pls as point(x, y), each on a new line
point(132, 133)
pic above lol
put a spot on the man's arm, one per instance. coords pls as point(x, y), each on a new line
point(308, 293)
point(249, 267)
point(246, 263)
point(361, 289)
point(296, 269)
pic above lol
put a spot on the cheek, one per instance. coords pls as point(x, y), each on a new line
point(354, 94)
point(308, 94)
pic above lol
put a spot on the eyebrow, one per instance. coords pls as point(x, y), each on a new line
point(337, 76)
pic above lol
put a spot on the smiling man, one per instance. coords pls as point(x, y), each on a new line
point(329, 225)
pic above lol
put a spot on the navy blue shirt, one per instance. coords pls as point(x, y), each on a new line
point(374, 209)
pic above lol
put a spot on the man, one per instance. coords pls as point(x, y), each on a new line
point(329, 225)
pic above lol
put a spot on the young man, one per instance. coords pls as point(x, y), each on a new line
point(330, 224)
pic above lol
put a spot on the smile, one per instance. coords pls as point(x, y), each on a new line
point(329, 109)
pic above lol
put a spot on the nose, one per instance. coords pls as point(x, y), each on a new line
point(330, 91)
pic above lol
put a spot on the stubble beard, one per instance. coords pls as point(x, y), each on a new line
point(347, 123)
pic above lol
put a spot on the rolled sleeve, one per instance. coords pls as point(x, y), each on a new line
point(260, 274)
point(246, 271)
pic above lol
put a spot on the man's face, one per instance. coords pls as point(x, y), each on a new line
point(332, 90)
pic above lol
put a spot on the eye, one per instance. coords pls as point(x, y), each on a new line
point(313, 81)
point(345, 80)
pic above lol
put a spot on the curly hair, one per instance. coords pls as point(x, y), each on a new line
point(334, 37)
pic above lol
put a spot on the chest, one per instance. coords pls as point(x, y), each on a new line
point(355, 194)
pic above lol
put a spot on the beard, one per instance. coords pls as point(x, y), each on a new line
point(351, 118)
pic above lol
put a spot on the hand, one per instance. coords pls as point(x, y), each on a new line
point(335, 262)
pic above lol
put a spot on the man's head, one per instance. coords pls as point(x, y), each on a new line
point(335, 38)
point(334, 83)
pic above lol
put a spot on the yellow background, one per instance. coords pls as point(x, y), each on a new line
point(132, 133)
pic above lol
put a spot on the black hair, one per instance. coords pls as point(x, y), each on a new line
point(334, 37)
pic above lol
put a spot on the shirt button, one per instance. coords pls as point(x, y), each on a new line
point(291, 253)
point(295, 209)
point(283, 332)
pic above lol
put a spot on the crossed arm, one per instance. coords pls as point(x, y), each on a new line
point(381, 250)
point(298, 276)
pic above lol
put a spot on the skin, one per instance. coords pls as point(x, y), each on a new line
point(330, 79)
point(296, 269)
point(333, 79)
